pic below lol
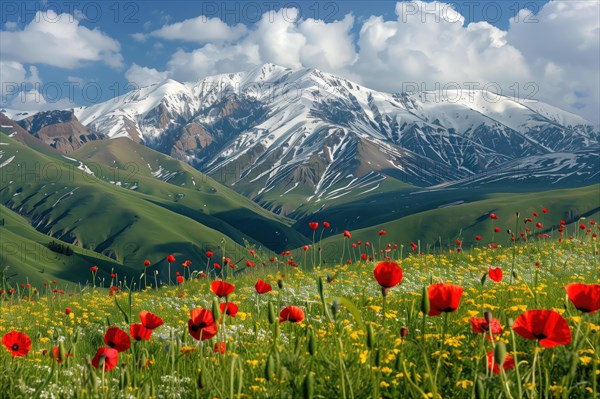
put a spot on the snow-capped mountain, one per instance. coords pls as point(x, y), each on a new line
point(273, 131)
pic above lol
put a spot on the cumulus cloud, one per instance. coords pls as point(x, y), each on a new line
point(424, 44)
point(60, 41)
point(14, 77)
point(563, 47)
point(201, 30)
point(279, 37)
point(144, 76)
point(428, 43)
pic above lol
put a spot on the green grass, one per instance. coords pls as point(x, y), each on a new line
point(348, 345)
point(128, 225)
point(468, 220)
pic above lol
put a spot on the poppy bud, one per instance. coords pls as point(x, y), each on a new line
point(270, 368)
point(500, 352)
point(201, 379)
point(312, 342)
point(370, 336)
point(216, 310)
point(403, 332)
point(487, 316)
point(425, 301)
point(308, 387)
point(483, 278)
point(377, 358)
point(479, 389)
point(335, 307)
point(62, 353)
point(272, 315)
point(280, 283)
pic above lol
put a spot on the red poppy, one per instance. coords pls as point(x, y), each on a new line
point(388, 274)
point(538, 225)
point(326, 225)
point(220, 347)
point(585, 297)
point(229, 308)
point(56, 354)
point(150, 320)
point(347, 234)
point(495, 274)
point(496, 229)
point(217, 266)
point(313, 225)
point(67, 311)
point(306, 247)
point(17, 342)
point(202, 324)
point(382, 232)
point(209, 254)
point(545, 210)
point(221, 288)
point(444, 298)
point(146, 263)
point(187, 263)
point(170, 259)
point(117, 339)
point(582, 226)
point(113, 275)
point(293, 314)
point(481, 325)
point(363, 256)
point(262, 287)
point(493, 216)
point(535, 214)
point(180, 279)
point(478, 238)
point(458, 243)
point(107, 358)
point(547, 326)
point(413, 246)
point(509, 363)
point(139, 332)
point(94, 269)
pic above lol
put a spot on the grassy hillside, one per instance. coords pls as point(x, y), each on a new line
point(25, 251)
point(471, 219)
point(128, 226)
point(182, 189)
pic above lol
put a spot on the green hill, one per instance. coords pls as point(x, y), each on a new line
point(468, 220)
point(131, 224)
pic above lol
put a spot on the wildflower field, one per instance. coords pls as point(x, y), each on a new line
point(517, 320)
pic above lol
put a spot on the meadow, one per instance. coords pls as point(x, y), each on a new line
point(511, 320)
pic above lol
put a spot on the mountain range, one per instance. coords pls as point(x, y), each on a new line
point(313, 136)
point(301, 143)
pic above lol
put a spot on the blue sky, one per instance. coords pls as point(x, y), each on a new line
point(65, 47)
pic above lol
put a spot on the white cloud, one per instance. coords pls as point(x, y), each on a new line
point(562, 44)
point(60, 41)
point(201, 30)
point(33, 100)
point(426, 43)
point(14, 78)
point(280, 38)
point(138, 37)
point(144, 76)
point(11, 25)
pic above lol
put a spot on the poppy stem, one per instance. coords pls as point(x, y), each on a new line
point(384, 294)
point(514, 254)
point(514, 345)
